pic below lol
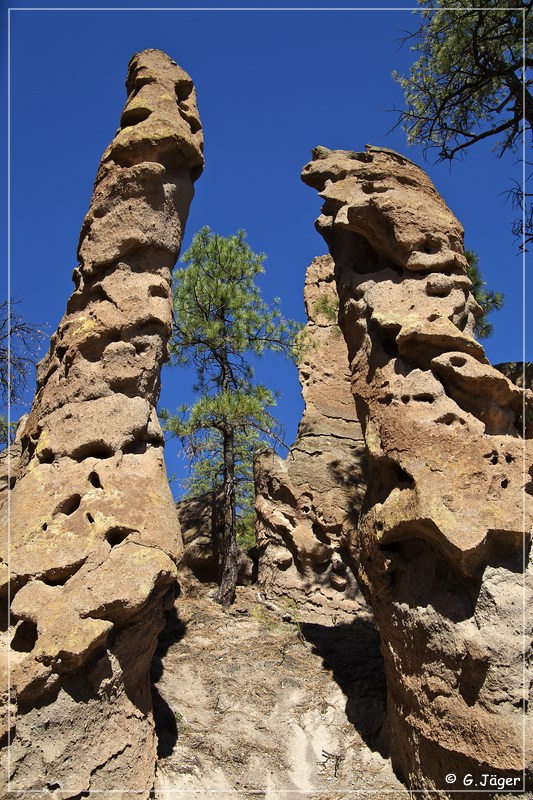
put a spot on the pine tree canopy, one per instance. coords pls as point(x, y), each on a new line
point(221, 323)
point(487, 299)
point(470, 82)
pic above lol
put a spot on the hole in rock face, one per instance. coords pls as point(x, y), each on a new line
point(44, 526)
point(438, 290)
point(505, 483)
point(431, 245)
point(135, 448)
point(99, 294)
point(70, 505)
point(61, 352)
point(158, 290)
point(457, 361)
point(59, 579)
point(58, 576)
point(449, 419)
point(424, 397)
point(117, 535)
point(183, 89)
point(190, 118)
point(132, 116)
point(90, 517)
point(492, 456)
point(92, 450)
point(320, 533)
point(94, 480)
point(25, 637)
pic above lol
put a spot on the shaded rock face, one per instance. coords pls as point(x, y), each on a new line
point(521, 374)
point(94, 530)
point(200, 519)
point(308, 503)
point(444, 535)
point(518, 372)
point(201, 522)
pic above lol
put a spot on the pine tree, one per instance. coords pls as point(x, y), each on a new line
point(471, 82)
point(488, 299)
point(221, 323)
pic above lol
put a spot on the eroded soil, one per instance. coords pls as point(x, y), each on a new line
point(249, 704)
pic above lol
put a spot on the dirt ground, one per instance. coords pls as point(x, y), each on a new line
point(258, 702)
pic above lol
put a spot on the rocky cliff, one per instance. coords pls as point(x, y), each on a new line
point(308, 503)
point(93, 529)
point(444, 536)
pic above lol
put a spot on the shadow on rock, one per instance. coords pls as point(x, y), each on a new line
point(351, 652)
point(166, 727)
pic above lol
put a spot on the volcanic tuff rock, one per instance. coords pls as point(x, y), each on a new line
point(201, 522)
point(518, 372)
point(307, 504)
point(94, 530)
point(443, 539)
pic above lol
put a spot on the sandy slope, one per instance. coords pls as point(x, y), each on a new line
point(250, 705)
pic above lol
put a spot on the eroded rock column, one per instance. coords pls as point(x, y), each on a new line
point(444, 536)
point(308, 503)
point(93, 529)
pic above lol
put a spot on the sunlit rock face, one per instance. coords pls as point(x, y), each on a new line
point(308, 503)
point(94, 534)
point(443, 540)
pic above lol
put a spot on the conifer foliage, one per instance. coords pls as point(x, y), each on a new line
point(488, 299)
point(470, 82)
point(221, 323)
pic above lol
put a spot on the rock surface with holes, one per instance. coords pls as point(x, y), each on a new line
point(444, 538)
point(308, 503)
point(94, 529)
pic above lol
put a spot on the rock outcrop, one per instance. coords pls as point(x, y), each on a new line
point(94, 534)
point(444, 535)
point(518, 372)
point(307, 504)
point(201, 522)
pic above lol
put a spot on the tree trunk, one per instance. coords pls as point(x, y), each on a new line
point(226, 593)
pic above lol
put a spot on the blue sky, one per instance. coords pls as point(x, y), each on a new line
point(271, 85)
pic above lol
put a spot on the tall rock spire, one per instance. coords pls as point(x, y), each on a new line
point(93, 530)
point(307, 504)
point(444, 533)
